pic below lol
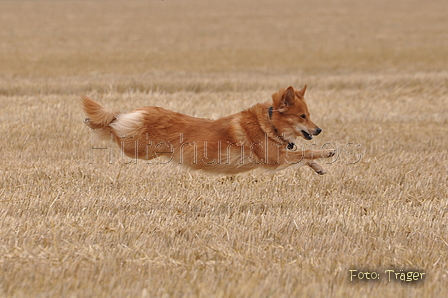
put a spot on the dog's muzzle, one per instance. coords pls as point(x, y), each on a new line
point(306, 135)
point(309, 136)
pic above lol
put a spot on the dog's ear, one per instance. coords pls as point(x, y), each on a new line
point(285, 99)
point(301, 93)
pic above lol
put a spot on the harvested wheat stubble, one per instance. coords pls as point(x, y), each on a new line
point(74, 224)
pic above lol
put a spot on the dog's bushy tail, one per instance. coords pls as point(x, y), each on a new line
point(98, 116)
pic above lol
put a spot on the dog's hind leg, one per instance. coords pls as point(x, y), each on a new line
point(316, 167)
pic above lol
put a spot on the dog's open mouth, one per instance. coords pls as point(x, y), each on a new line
point(307, 135)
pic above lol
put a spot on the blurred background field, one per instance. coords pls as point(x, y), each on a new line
point(72, 224)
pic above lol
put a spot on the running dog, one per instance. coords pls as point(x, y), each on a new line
point(262, 136)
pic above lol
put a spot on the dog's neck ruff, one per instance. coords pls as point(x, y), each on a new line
point(290, 145)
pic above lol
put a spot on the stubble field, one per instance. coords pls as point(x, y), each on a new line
point(83, 222)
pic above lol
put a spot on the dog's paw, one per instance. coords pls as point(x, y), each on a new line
point(316, 167)
point(329, 153)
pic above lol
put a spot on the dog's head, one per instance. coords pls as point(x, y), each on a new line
point(290, 115)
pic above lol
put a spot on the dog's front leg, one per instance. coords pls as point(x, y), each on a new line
point(308, 156)
point(296, 159)
point(311, 154)
point(316, 167)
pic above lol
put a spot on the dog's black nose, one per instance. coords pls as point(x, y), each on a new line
point(318, 131)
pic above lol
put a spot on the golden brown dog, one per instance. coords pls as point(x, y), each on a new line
point(260, 137)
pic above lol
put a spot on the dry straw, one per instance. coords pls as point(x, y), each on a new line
point(72, 224)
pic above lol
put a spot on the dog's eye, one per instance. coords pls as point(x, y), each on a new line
point(303, 116)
